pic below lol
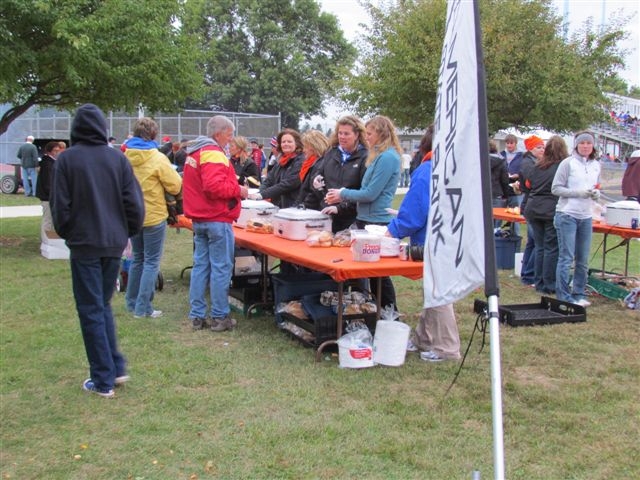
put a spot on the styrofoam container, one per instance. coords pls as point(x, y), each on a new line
point(365, 246)
point(54, 249)
point(619, 214)
point(390, 343)
point(296, 223)
point(255, 209)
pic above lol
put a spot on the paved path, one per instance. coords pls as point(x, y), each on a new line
point(36, 210)
point(14, 212)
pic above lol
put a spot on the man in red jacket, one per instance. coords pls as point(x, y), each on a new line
point(212, 200)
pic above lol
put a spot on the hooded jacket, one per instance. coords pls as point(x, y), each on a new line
point(96, 202)
point(499, 176)
point(155, 175)
point(211, 191)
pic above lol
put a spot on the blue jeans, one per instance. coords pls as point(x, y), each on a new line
point(527, 274)
point(94, 280)
point(147, 249)
point(574, 244)
point(29, 179)
point(212, 268)
point(546, 255)
point(405, 177)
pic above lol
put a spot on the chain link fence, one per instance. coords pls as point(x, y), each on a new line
point(48, 123)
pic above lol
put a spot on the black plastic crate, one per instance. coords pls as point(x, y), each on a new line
point(294, 287)
point(548, 312)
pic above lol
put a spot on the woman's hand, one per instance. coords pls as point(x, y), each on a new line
point(333, 196)
point(330, 210)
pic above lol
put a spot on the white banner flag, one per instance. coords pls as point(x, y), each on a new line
point(454, 254)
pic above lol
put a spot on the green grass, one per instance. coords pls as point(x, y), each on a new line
point(17, 200)
point(253, 404)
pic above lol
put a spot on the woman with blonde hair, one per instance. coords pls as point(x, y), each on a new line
point(378, 187)
point(314, 145)
point(247, 171)
point(342, 166)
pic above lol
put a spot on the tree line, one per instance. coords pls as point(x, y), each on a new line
point(288, 57)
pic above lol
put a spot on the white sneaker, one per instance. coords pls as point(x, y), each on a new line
point(411, 347)
point(121, 380)
point(583, 302)
point(154, 314)
point(430, 356)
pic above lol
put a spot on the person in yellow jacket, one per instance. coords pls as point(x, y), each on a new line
point(156, 176)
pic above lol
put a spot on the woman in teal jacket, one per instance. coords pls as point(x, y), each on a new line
point(378, 187)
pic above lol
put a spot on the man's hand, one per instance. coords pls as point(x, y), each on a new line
point(244, 192)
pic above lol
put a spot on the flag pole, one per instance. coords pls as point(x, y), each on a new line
point(491, 286)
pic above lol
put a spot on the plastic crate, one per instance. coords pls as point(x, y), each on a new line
point(506, 248)
point(322, 322)
point(605, 285)
point(548, 312)
point(294, 287)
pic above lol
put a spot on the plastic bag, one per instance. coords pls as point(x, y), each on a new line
point(358, 335)
point(389, 313)
point(632, 300)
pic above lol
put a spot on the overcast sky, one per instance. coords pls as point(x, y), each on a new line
point(350, 14)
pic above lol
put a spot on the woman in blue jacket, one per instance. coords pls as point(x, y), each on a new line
point(378, 186)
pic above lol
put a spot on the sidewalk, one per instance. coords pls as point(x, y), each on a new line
point(36, 210)
point(15, 212)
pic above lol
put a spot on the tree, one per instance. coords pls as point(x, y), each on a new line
point(269, 56)
point(118, 54)
point(534, 76)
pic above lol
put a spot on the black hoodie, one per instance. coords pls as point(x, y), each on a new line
point(96, 201)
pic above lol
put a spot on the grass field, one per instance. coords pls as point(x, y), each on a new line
point(253, 404)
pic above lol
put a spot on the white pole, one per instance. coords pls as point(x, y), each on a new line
point(496, 388)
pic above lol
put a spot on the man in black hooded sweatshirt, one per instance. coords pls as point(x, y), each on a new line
point(96, 205)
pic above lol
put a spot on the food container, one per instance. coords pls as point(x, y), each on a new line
point(255, 209)
point(620, 214)
point(365, 246)
point(389, 246)
point(296, 223)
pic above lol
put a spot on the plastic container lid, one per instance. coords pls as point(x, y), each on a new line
point(300, 214)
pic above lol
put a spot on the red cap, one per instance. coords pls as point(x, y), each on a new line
point(166, 139)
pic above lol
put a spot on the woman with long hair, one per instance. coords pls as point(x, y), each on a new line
point(246, 170)
point(315, 144)
point(577, 183)
point(540, 210)
point(378, 187)
point(436, 334)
